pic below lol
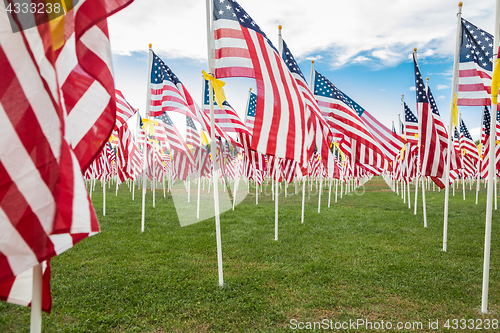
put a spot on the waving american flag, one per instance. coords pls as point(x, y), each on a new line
point(242, 49)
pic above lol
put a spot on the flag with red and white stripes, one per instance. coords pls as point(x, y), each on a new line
point(45, 208)
point(123, 109)
point(389, 142)
point(470, 155)
point(167, 92)
point(475, 67)
point(431, 152)
point(227, 119)
point(192, 136)
point(323, 135)
point(173, 137)
point(341, 116)
point(410, 126)
point(242, 49)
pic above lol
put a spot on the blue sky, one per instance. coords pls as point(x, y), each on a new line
point(363, 47)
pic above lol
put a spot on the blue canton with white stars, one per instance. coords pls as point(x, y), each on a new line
point(323, 87)
point(251, 105)
point(161, 72)
point(432, 102)
point(476, 45)
point(465, 131)
point(231, 10)
point(409, 116)
point(166, 119)
point(290, 61)
point(486, 120)
point(207, 97)
point(190, 123)
point(457, 135)
point(419, 84)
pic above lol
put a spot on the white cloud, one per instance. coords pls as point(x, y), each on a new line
point(442, 86)
point(441, 97)
point(342, 30)
point(412, 88)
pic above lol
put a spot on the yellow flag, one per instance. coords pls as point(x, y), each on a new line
point(217, 85)
point(495, 83)
point(454, 114)
point(149, 125)
point(204, 140)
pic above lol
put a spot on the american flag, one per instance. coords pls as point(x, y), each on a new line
point(202, 161)
point(475, 67)
point(390, 143)
point(167, 92)
point(470, 155)
point(411, 123)
point(438, 122)
point(323, 136)
point(125, 150)
point(123, 109)
point(250, 121)
point(174, 139)
point(242, 49)
point(340, 114)
point(45, 206)
point(288, 169)
point(485, 141)
point(192, 136)
point(227, 119)
point(431, 153)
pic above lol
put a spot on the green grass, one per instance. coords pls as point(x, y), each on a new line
point(365, 257)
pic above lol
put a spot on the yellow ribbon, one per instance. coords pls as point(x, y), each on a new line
point(217, 85)
point(112, 138)
point(149, 125)
point(341, 153)
point(454, 114)
point(402, 153)
point(204, 140)
point(495, 83)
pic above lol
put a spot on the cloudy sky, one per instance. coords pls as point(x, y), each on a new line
point(363, 46)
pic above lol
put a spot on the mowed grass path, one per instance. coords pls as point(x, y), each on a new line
point(367, 256)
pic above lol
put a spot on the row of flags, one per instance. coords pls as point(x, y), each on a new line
point(291, 128)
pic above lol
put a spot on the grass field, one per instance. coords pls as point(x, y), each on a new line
point(366, 257)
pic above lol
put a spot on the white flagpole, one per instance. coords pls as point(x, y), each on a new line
point(276, 164)
point(450, 128)
point(145, 151)
point(336, 187)
point(215, 173)
point(479, 161)
point(491, 172)
point(36, 301)
point(407, 167)
point(303, 197)
point(103, 198)
point(330, 180)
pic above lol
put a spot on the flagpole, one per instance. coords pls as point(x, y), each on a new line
point(36, 301)
point(215, 173)
point(491, 166)
point(145, 151)
point(481, 157)
point(276, 164)
point(408, 158)
point(463, 173)
point(450, 128)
